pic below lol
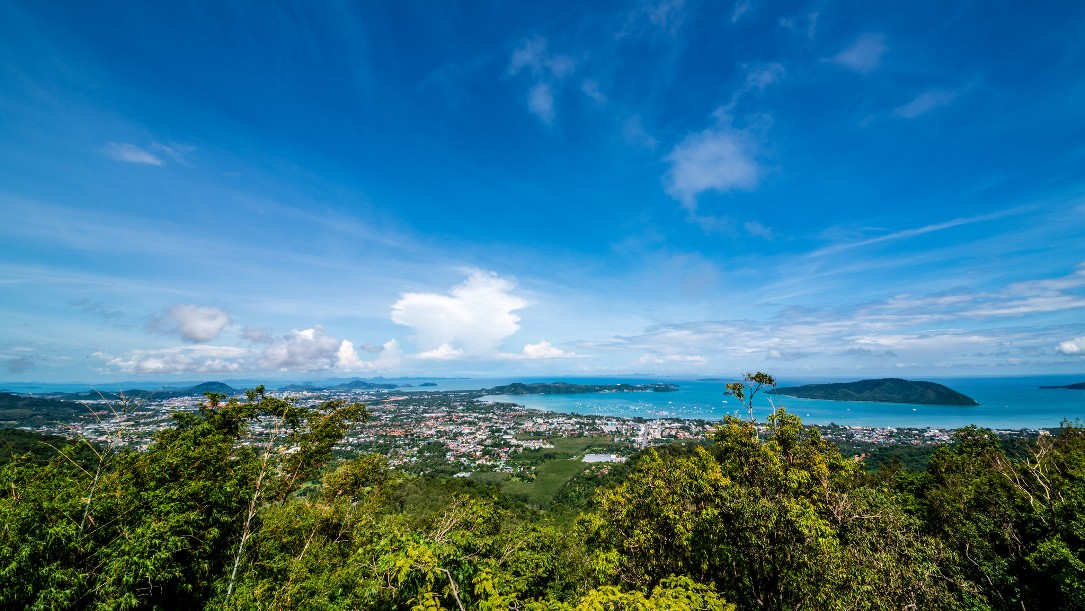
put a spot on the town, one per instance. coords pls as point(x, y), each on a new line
point(457, 432)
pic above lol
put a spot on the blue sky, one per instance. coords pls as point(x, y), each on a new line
point(235, 189)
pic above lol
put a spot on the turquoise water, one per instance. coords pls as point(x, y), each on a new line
point(1005, 403)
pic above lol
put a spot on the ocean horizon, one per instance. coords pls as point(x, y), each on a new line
point(1005, 402)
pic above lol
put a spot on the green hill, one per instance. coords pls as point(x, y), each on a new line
point(1078, 386)
point(885, 390)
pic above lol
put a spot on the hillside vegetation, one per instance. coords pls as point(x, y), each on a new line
point(214, 515)
point(886, 390)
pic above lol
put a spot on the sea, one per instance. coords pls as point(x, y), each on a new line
point(1015, 402)
point(1004, 403)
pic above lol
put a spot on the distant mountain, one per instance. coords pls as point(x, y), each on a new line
point(363, 385)
point(136, 394)
point(299, 387)
point(1078, 386)
point(886, 390)
point(218, 387)
point(564, 388)
point(351, 385)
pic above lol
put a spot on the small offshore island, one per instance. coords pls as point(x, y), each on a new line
point(1078, 386)
point(564, 388)
point(885, 390)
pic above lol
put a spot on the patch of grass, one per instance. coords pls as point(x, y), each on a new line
point(549, 478)
point(490, 477)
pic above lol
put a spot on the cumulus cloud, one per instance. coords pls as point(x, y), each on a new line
point(182, 359)
point(720, 159)
point(348, 359)
point(472, 319)
point(192, 323)
point(1072, 346)
point(444, 352)
point(541, 350)
point(925, 102)
point(130, 153)
point(257, 335)
point(723, 157)
point(864, 55)
point(303, 350)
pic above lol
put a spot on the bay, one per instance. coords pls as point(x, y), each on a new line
point(1004, 403)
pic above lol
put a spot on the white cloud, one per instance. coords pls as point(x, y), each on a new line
point(925, 102)
point(473, 319)
point(656, 359)
point(591, 89)
point(180, 360)
point(191, 323)
point(176, 152)
point(667, 15)
point(444, 352)
point(864, 55)
point(130, 153)
point(543, 350)
point(720, 159)
point(540, 101)
point(257, 335)
point(305, 350)
point(760, 76)
point(1073, 346)
point(533, 56)
point(755, 228)
point(741, 8)
point(545, 71)
point(347, 358)
point(807, 24)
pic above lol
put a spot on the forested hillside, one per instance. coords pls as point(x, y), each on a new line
point(241, 506)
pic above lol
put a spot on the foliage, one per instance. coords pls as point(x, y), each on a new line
point(238, 506)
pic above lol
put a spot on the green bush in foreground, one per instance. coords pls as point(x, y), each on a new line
point(210, 516)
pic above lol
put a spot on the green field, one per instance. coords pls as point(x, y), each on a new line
point(549, 478)
point(553, 467)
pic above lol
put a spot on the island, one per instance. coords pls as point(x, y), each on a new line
point(564, 388)
point(1078, 386)
point(885, 390)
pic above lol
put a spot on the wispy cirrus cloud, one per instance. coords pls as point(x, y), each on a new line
point(958, 329)
point(925, 102)
point(918, 231)
point(864, 55)
point(545, 70)
point(130, 153)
